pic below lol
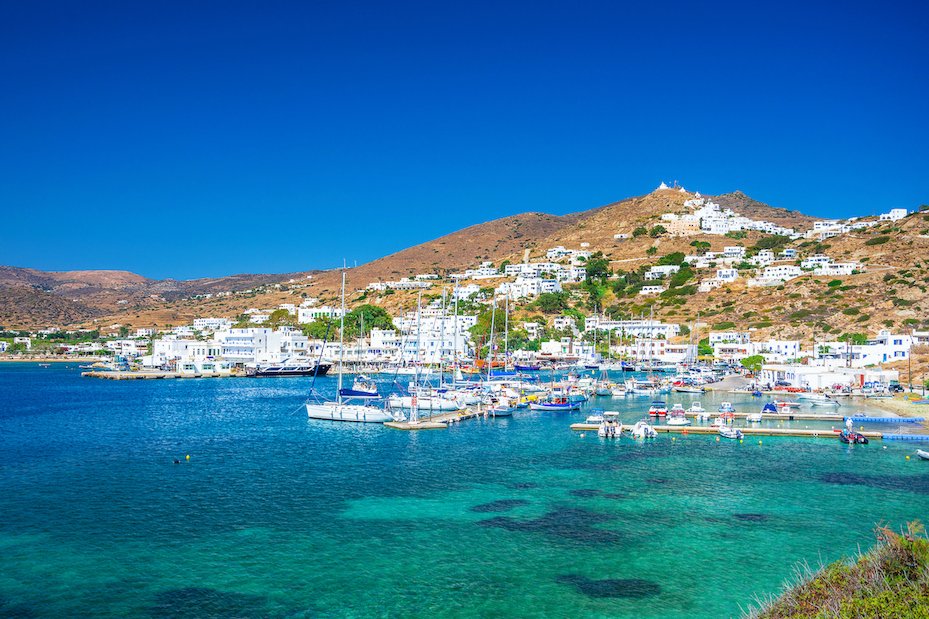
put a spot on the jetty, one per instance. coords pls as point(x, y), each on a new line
point(116, 375)
point(440, 421)
point(749, 431)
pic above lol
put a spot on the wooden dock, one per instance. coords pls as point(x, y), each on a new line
point(437, 422)
point(684, 430)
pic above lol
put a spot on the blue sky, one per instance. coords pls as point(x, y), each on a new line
point(202, 139)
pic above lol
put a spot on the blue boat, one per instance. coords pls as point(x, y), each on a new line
point(527, 368)
point(559, 404)
point(770, 407)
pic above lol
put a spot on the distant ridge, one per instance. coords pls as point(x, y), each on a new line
point(31, 298)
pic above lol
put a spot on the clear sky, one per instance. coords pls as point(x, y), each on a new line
point(186, 139)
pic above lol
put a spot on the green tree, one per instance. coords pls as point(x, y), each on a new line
point(597, 268)
point(700, 246)
point(640, 231)
point(674, 258)
point(371, 316)
point(854, 338)
point(774, 241)
point(704, 348)
point(318, 329)
point(279, 318)
point(753, 363)
point(552, 302)
point(657, 231)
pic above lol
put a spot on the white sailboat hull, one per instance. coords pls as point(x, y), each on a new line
point(333, 411)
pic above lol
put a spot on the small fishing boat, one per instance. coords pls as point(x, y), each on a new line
point(727, 432)
point(853, 438)
point(500, 410)
point(922, 454)
point(362, 388)
point(756, 394)
point(603, 389)
point(685, 388)
point(610, 429)
point(726, 407)
point(658, 409)
point(555, 405)
point(643, 430)
point(678, 416)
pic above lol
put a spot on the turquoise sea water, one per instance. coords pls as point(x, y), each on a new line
point(275, 515)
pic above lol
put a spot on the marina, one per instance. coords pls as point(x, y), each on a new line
point(523, 485)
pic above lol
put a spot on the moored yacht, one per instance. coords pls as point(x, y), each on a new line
point(342, 409)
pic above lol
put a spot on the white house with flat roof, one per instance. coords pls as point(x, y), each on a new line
point(894, 214)
point(661, 270)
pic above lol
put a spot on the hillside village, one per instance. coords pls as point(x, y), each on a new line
point(685, 278)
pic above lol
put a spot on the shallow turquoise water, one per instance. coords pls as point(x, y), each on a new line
point(275, 515)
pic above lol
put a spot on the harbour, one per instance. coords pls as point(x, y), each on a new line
point(523, 491)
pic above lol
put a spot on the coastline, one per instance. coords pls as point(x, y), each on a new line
point(8, 359)
point(898, 405)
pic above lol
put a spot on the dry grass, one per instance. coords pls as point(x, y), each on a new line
point(889, 580)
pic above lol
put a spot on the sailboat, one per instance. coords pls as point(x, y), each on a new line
point(342, 409)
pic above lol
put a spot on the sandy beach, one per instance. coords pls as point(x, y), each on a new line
point(897, 405)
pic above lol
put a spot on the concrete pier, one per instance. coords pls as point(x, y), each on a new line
point(154, 375)
point(684, 430)
point(439, 421)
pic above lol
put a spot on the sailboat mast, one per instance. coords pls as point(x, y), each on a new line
point(506, 333)
point(455, 342)
point(341, 338)
point(490, 346)
point(442, 342)
point(414, 402)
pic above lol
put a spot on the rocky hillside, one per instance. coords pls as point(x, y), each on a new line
point(889, 294)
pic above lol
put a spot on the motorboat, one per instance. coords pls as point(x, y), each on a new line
point(754, 417)
point(853, 438)
point(726, 407)
point(727, 432)
point(658, 409)
point(610, 429)
point(818, 399)
point(596, 416)
point(555, 405)
point(770, 407)
point(696, 408)
point(501, 410)
point(618, 391)
point(291, 367)
point(678, 416)
point(922, 454)
point(362, 388)
point(603, 389)
point(527, 368)
point(642, 429)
